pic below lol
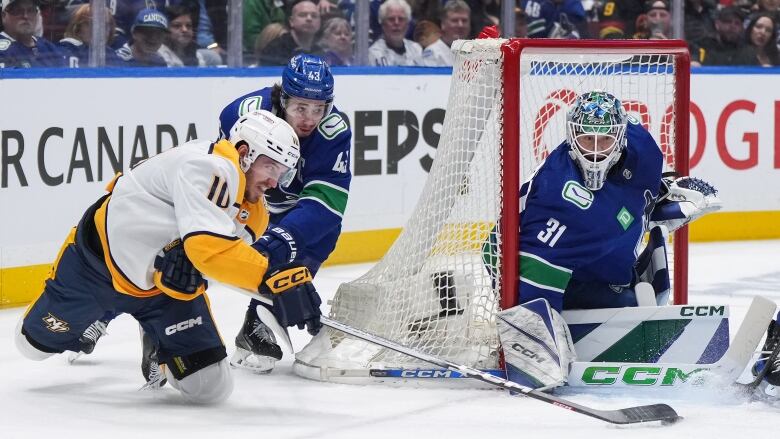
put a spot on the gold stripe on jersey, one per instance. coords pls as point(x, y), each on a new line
point(225, 149)
point(254, 217)
point(112, 183)
point(120, 282)
point(226, 259)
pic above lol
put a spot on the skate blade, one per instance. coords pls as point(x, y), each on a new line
point(73, 356)
point(259, 364)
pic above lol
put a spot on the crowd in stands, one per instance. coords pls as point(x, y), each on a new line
point(57, 33)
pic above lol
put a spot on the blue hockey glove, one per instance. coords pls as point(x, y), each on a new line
point(295, 301)
point(175, 271)
point(279, 245)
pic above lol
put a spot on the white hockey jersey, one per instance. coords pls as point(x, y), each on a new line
point(194, 192)
point(381, 55)
point(438, 54)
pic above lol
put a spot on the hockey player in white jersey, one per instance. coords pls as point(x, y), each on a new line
point(145, 247)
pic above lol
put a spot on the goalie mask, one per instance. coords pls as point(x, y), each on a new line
point(268, 135)
point(596, 133)
point(307, 77)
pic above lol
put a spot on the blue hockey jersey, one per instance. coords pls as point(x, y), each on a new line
point(313, 205)
point(77, 54)
point(550, 19)
point(575, 238)
point(14, 54)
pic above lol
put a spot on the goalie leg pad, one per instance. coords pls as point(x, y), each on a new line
point(537, 346)
point(210, 385)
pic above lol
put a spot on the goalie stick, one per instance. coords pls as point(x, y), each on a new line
point(630, 415)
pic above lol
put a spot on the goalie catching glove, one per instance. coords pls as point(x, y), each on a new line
point(295, 301)
point(683, 200)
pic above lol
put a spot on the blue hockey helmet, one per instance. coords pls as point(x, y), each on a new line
point(307, 77)
point(596, 133)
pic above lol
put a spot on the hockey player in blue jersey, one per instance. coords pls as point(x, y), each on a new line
point(555, 18)
point(19, 47)
point(584, 213)
point(306, 214)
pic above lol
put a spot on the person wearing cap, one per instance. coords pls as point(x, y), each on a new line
point(148, 32)
point(655, 23)
point(19, 47)
point(727, 47)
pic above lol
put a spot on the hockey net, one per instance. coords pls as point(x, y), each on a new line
point(438, 288)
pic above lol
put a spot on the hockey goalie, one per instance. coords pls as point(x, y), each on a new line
point(584, 214)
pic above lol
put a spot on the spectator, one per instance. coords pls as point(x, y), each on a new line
point(211, 32)
point(655, 23)
point(304, 24)
point(480, 17)
point(727, 48)
point(521, 23)
point(699, 21)
point(270, 33)
point(180, 48)
point(347, 8)
point(435, 52)
point(555, 18)
point(392, 49)
point(148, 32)
point(336, 41)
point(78, 37)
point(455, 21)
point(761, 34)
point(19, 47)
point(257, 15)
point(617, 18)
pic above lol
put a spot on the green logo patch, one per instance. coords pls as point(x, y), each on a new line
point(625, 218)
point(577, 194)
point(252, 103)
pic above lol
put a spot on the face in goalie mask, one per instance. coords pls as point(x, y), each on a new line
point(596, 133)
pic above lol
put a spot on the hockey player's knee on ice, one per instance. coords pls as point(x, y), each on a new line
point(28, 347)
point(538, 348)
point(202, 380)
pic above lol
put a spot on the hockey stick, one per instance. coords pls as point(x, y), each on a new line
point(631, 415)
point(750, 387)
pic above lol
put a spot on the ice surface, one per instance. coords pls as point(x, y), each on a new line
point(98, 396)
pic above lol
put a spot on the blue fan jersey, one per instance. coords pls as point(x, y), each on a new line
point(77, 54)
point(43, 54)
point(313, 205)
point(582, 242)
point(544, 14)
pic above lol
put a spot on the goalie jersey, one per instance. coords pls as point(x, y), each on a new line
point(194, 192)
point(575, 238)
point(313, 205)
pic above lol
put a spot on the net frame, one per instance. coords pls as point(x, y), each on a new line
point(496, 110)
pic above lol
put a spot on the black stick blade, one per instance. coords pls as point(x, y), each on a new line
point(644, 413)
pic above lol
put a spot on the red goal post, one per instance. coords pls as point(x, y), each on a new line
point(512, 51)
point(455, 264)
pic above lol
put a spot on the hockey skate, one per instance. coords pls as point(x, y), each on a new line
point(151, 369)
point(89, 339)
point(767, 369)
point(256, 348)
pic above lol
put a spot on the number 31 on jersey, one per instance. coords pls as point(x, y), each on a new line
point(553, 233)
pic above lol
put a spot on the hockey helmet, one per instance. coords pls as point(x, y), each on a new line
point(596, 133)
point(307, 77)
point(268, 135)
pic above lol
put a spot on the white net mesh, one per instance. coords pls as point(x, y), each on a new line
point(432, 290)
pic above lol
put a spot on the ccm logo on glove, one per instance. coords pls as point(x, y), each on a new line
point(286, 279)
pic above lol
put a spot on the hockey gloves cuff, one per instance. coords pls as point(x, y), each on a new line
point(295, 301)
point(175, 275)
point(279, 245)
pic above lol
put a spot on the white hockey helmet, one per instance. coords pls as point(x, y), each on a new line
point(596, 115)
point(268, 135)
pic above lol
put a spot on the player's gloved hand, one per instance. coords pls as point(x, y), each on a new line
point(683, 200)
point(295, 301)
point(175, 271)
point(279, 245)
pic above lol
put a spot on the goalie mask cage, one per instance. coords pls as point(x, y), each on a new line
point(439, 286)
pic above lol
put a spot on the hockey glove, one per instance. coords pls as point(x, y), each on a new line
point(175, 275)
point(279, 245)
point(683, 200)
point(295, 301)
